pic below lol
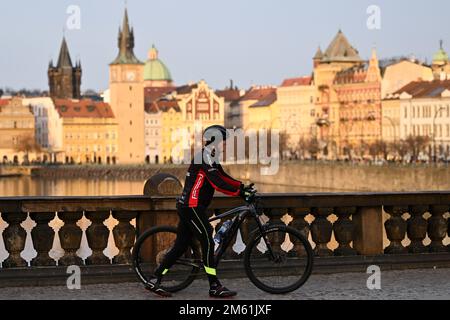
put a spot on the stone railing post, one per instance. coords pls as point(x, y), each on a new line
point(395, 229)
point(299, 223)
point(14, 237)
point(344, 231)
point(124, 235)
point(437, 228)
point(161, 184)
point(417, 229)
point(70, 237)
point(368, 237)
point(97, 235)
point(42, 236)
point(321, 230)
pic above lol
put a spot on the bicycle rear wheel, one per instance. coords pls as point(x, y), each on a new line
point(150, 250)
point(289, 267)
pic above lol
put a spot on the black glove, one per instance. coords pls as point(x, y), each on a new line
point(247, 192)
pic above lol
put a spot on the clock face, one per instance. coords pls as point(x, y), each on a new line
point(131, 76)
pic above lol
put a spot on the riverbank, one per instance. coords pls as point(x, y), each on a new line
point(308, 175)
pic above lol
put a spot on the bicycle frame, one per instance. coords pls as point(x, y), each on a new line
point(240, 213)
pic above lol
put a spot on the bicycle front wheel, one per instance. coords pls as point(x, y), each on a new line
point(282, 265)
point(150, 250)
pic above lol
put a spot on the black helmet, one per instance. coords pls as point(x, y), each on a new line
point(216, 130)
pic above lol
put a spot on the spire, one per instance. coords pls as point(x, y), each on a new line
point(319, 54)
point(340, 50)
point(153, 53)
point(441, 44)
point(64, 56)
point(126, 43)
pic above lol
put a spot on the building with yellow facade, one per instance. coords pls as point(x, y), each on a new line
point(17, 132)
point(175, 117)
point(89, 131)
point(297, 110)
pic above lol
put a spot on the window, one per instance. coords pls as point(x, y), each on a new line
point(406, 112)
point(312, 112)
point(131, 140)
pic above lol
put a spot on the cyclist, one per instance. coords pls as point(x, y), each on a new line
point(204, 176)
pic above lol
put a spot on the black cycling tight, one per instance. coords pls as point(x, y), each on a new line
point(193, 222)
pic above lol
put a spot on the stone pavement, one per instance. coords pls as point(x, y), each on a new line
point(399, 284)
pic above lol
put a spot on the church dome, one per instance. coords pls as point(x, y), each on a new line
point(440, 56)
point(155, 69)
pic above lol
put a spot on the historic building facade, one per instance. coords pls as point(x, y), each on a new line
point(297, 110)
point(126, 95)
point(173, 119)
point(17, 133)
point(64, 79)
point(48, 128)
point(425, 111)
point(359, 94)
point(89, 131)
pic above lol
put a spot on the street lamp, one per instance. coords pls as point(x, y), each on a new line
point(434, 134)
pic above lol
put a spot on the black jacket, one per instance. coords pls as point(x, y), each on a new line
point(203, 179)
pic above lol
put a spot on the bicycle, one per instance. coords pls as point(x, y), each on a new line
point(274, 252)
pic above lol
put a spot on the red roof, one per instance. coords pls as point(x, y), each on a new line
point(4, 102)
point(267, 100)
point(257, 93)
point(229, 94)
point(162, 105)
point(301, 81)
point(154, 93)
point(421, 89)
point(85, 108)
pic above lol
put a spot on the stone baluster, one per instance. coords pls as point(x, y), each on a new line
point(395, 229)
point(42, 236)
point(344, 231)
point(97, 236)
point(70, 237)
point(437, 228)
point(417, 229)
point(448, 233)
point(14, 237)
point(276, 239)
point(299, 223)
point(321, 230)
point(124, 235)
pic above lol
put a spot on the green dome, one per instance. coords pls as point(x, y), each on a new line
point(155, 69)
point(441, 55)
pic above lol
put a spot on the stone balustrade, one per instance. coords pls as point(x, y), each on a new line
point(367, 225)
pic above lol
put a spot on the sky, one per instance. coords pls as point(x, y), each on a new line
point(249, 41)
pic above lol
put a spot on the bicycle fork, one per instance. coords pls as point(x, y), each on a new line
point(264, 236)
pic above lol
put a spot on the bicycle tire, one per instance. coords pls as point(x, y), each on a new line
point(256, 238)
point(136, 263)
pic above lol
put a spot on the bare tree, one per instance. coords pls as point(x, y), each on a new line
point(27, 144)
point(416, 144)
point(313, 147)
point(379, 147)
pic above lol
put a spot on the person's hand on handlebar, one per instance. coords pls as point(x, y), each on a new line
point(247, 192)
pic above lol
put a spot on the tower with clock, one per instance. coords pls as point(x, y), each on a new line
point(126, 87)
